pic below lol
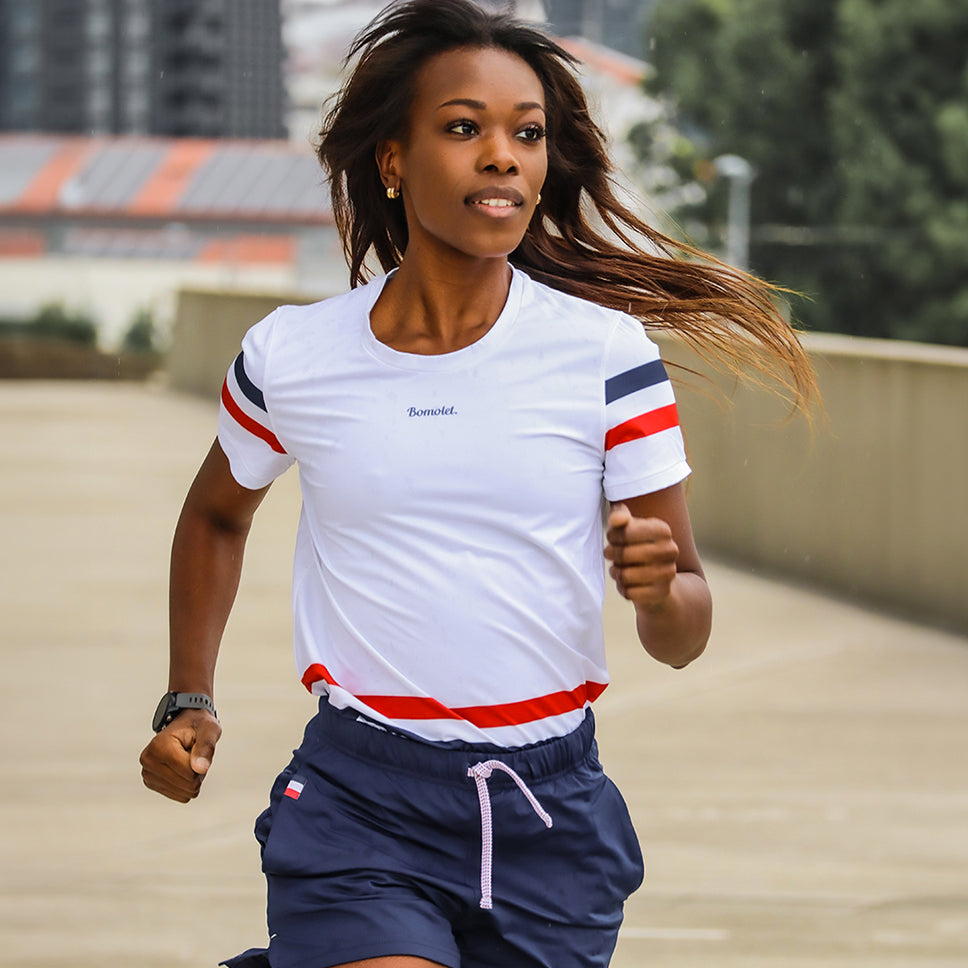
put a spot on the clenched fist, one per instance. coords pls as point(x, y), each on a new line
point(177, 759)
point(643, 556)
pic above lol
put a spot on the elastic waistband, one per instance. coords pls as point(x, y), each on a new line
point(352, 733)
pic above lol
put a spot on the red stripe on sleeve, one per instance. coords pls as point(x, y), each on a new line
point(244, 420)
point(502, 714)
point(643, 425)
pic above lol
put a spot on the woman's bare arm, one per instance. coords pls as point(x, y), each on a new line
point(206, 564)
point(655, 564)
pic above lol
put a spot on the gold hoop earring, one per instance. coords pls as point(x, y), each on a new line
point(537, 201)
point(392, 192)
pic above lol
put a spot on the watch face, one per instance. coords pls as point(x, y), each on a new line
point(161, 713)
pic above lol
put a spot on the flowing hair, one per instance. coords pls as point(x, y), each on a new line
point(620, 262)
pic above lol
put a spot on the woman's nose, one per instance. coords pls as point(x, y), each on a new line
point(498, 155)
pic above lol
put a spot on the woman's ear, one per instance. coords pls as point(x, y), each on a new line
point(387, 162)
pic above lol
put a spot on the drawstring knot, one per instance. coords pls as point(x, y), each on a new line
point(481, 772)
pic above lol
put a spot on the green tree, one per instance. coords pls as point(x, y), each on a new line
point(141, 336)
point(53, 321)
point(899, 119)
point(855, 115)
point(753, 75)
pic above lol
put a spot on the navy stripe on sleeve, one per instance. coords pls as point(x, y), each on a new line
point(638, 378)
point(252, 392)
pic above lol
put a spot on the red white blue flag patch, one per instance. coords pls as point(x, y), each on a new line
point(295, 788)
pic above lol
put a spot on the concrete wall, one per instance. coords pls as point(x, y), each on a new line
point(23, 358)
point(209, 326)
point(111, 291)
point(871, 502)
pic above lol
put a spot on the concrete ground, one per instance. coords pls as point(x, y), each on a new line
point(801, 792)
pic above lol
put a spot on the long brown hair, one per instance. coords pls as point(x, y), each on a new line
point(622, 263)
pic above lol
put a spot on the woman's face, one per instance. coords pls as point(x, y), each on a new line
point(474, 158)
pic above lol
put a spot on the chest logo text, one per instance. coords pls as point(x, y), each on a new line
point(434, 412)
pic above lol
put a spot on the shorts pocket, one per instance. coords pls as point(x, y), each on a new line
point(277, 793)
point(629, 864)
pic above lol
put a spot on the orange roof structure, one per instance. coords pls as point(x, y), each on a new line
point(620, 67)
point(160, 180)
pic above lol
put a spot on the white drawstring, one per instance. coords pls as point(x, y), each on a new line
point(481, 772)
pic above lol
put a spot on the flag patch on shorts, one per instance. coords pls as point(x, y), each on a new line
point(295, 788)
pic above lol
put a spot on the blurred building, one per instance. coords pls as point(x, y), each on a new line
point(109, 225)
point(619, 24)
point(205, 68)
point(317, 35)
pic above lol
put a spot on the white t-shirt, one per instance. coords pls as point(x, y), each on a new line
point(448, 574)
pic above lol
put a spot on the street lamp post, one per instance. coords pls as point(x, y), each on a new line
point(740, 174)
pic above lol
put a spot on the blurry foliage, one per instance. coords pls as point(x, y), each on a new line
point(54, 322)
point(666, 169)
point(854, 114)
point(141, 336)
point(673, 183)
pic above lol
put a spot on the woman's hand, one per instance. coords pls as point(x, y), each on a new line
point(655, 565)
point(178, 758)
point(206, 564)
point(643, 556)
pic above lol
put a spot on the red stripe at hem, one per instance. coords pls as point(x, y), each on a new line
point(245, 421)
point(484, 717)
point(643, 425)
point(528, 710)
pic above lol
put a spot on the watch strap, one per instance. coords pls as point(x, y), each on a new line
point(172, 703)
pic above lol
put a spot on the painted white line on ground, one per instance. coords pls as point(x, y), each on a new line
point(676, 934)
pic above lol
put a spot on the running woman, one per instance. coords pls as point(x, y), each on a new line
point(460, 424)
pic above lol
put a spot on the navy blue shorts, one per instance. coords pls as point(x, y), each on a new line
point(375, 843)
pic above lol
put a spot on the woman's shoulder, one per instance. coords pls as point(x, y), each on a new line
point(586, 315)
point(295, 334)
point(616, 340)
point(346, 307)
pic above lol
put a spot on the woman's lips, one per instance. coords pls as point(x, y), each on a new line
point(496, 202)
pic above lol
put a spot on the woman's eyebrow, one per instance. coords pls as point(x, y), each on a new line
point(481, 106)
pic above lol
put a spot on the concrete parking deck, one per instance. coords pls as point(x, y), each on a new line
point(801, 792)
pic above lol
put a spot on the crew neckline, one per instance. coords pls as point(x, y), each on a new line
point(466, 355)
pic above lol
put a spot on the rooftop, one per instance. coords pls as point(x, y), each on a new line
point(160, 180)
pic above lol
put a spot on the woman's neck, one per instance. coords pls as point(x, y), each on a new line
point(440, 309)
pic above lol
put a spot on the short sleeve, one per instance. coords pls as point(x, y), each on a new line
point(644, 450)
point(245, 426)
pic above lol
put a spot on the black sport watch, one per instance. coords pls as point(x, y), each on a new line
point(172, 703)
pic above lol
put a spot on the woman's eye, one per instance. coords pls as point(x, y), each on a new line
point(462, 127)
point(533, 132)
